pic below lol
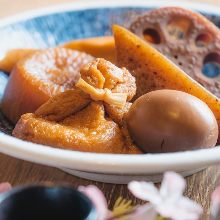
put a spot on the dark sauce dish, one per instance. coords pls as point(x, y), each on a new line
point(42, 202)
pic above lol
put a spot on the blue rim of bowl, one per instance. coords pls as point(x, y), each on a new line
point(99, 161)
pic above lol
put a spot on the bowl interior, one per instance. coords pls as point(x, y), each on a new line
point(56, 28)
point(48, 28)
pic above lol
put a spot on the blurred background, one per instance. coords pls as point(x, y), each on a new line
point(9, 7)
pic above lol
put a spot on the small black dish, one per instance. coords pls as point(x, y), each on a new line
point(41, 202)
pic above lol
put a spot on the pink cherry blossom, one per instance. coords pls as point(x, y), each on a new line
point(215, 204)
point(169, 201)
point(5, 187)
point(98, 199)
point(143, 212)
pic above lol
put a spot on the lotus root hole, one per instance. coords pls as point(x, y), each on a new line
point(152, 36)
point(211, 65)
point(203, 40)
point(179, 27)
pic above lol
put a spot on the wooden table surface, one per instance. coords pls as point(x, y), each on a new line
point(199, 186)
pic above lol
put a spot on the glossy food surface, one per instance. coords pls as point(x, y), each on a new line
point(153, 71)
point(88, 117)
point(40, 76)
point(187, 38)
point(98, 47)
point(169, 121)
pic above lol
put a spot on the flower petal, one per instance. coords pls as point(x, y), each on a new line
point(172, 186)
point(98, 199)
point(144, 212)
point(5, 187)
point(145, 191)
point(183, 209)
point(215, 204)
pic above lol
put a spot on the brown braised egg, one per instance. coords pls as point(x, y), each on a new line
point(169, 121)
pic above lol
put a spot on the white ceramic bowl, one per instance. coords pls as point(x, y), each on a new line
point(108, 167)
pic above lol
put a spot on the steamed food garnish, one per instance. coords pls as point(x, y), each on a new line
point(126, 94)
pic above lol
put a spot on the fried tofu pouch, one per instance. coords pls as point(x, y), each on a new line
point(88, 117)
